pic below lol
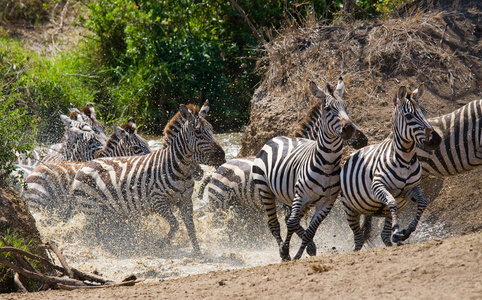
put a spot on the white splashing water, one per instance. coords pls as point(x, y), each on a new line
point(133, 250)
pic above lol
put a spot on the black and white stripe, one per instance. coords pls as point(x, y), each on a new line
point(128, 187)
point(231, 186)
point(124, 141)
point(49, 183)
point(461, 147)
point(304, 173)
point(380, 179)
point(79, 143)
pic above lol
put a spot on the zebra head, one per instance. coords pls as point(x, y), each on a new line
point(206, 150)
point(410, 119)
point(80, 142)
point(135, 143)
point(124, 141)
point(335, 120)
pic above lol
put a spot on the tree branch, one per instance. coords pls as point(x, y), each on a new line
point(255, 32)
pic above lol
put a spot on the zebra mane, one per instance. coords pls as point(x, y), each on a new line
point(309, 124)
point(174, 125)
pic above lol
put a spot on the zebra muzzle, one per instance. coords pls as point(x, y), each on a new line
point(347, 131)
point(433, 141)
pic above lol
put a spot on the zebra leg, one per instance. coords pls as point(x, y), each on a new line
point(386, 232)
point(293, 225)
point(415, 194)
point(322, 210)
point(384, 195)
point(311, 247)
point(185, 206)
point(269, 204)
point(163, 208)
point(353, 219)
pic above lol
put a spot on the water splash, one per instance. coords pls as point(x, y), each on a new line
point(133, 249)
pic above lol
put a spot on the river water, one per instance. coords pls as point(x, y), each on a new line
point(133, 249)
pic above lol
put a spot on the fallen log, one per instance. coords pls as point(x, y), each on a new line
point(69, 279)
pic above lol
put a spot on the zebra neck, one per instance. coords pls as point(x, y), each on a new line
point(329, 146)
point(403, 150)
point(181, 151)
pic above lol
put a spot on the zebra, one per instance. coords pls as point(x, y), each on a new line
point(461, 147)
point(378, 180)
point(308, 128)
point(126, 187)
point(88, 115)
point(49, 183)
point(304, 173)
point(124, 141)
point(79, 143)
point(231, 184)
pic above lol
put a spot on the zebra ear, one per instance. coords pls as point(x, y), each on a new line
point(117, 129)
point(317, 92)
point(402, 94)
point(418, 92)
point(328, 89)
point(340, 87)
point(185, 113)
point(204, 110)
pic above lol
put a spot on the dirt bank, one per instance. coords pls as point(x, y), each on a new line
point(439, 269)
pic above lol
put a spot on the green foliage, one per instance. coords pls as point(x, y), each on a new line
point(385, 7)
point(158, 54)
point(13, 119)
point(145, 57)
point(16, 241)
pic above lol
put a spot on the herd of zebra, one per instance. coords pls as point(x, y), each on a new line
point(120, 178)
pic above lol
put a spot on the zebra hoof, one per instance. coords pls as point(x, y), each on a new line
point(311, 248)
point(405, 234)
point(397, 238)
point(284, 253)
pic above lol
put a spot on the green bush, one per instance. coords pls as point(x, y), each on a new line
point(158, 54)
point(6, 278)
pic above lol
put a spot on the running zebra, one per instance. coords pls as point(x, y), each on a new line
point(79, 143)
point(49, 183)
point(304, 173)
point(124, 141)
point(380, 179)
point(231, 185)
point(127, 187)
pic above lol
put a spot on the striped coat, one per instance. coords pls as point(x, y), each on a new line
point(461, 147)
point(304, 173)
point(128, 187)
point(380, 179)
point(50, 183)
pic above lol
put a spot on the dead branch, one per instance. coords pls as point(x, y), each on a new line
point(255, 32)
point(32, 256)
point(40, 277)
point(124, 283)
point(90, 277)
point(53, 246)
point(19, 284)
point(76, 278)
point(20, 259)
